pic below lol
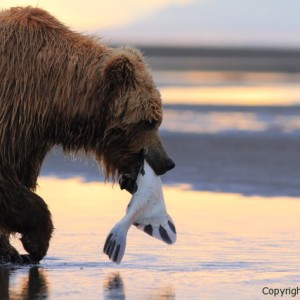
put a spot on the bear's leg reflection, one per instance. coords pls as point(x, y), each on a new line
point(114, 287)
point(33, 286)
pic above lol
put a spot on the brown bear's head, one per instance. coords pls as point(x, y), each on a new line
point(134, 114)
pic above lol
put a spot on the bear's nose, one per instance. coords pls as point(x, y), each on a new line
point(170, 164)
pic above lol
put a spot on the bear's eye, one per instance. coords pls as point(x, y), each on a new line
point(150, 124)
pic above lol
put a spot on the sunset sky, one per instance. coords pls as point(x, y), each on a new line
point(185, 22)
point(96, 14)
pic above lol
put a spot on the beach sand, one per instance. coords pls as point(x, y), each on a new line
point(251, 164)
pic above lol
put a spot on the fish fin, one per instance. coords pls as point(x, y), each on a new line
point(165, 231)
point(115, 243)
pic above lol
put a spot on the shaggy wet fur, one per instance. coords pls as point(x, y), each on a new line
point(58, 87)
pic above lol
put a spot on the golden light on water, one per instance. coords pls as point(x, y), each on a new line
point(206, 223)
point(228, 244)
point(71, 199)
point(232, 95)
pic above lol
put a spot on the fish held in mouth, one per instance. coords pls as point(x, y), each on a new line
point(147, 211)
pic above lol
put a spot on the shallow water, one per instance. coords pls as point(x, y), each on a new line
point(231, 119)
point(228, 132)
point(237, 88)
point(229, 247)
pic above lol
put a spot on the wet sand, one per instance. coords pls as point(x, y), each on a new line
point(229, 247)
point(263, 164)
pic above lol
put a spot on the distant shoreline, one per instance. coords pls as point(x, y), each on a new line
point(222, 59)
point(218, 51)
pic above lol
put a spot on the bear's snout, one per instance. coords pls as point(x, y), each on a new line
point(164, 168)
point(170, 164)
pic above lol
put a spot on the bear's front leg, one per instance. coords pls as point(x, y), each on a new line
point(23, 211)
point(8, 254)
point(36, 227)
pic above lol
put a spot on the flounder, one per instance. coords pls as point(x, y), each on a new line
point(147, 211)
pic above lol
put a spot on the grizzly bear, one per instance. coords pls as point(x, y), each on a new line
point(59, 87)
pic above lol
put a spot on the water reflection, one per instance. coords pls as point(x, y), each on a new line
point(226, 242)
point(236, 95)
point(33, 286)
point(228, 88)
point(237, 119)
point(164, 293)
point(114, 288)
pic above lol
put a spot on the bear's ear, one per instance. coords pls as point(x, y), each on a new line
point(119, 71)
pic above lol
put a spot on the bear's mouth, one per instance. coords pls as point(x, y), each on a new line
point(127, 180)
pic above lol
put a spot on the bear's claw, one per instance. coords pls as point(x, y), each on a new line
point(12, 256)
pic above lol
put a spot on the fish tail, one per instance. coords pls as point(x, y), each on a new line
point(165, 231)
point(115, 243)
